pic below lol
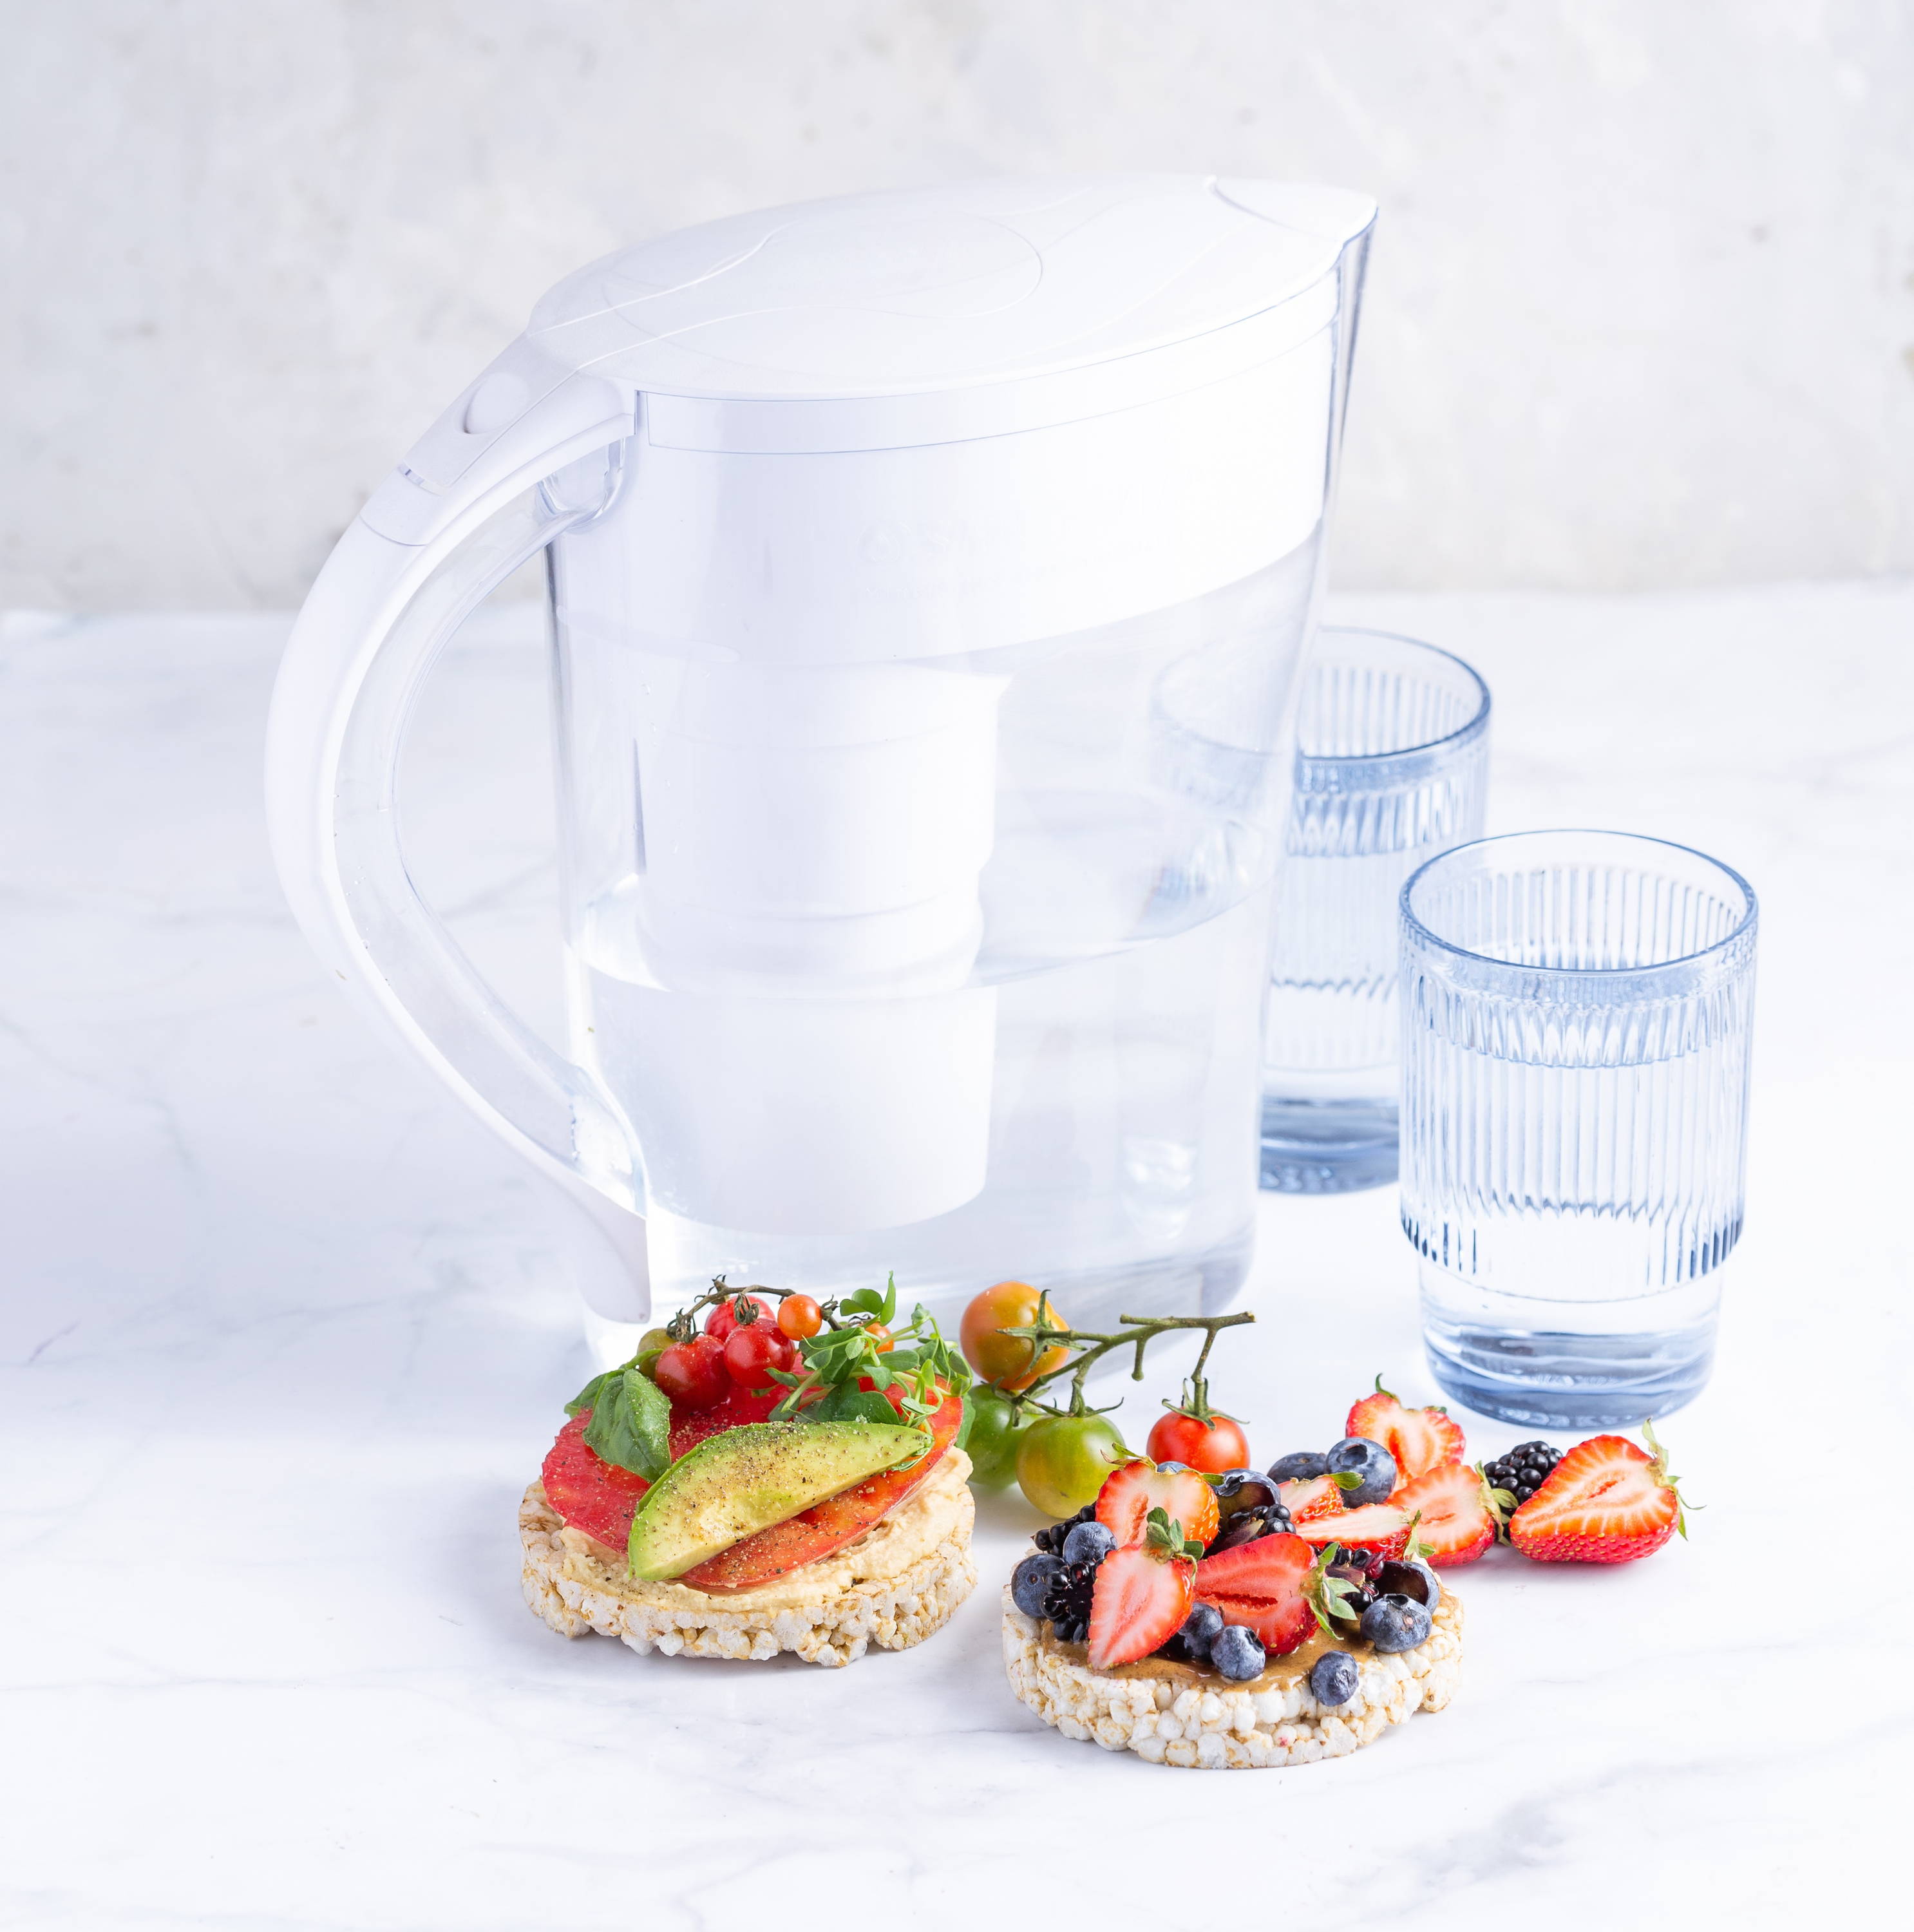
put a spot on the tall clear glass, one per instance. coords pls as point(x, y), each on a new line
point(1576, 1010)
point(1392, 766)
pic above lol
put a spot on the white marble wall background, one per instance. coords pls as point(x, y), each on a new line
point(1641, 309)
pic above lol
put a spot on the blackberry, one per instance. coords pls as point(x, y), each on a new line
point(1523, 1471)
point(1363, 1565)
point(1050, 1541)
point(1270, 1520)
point(1067, 1602)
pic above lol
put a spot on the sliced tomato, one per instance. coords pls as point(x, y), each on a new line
point(690, 1427)
point(825, 1527)
point(588, 1492)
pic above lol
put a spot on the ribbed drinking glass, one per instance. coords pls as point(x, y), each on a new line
point(1575, 1027)
point(1392, 766)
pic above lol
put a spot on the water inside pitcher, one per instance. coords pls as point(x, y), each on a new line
point(1005, 1022)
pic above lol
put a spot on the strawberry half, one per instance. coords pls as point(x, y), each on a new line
point(1314, 1497)
point(1607, 1501)
point(1132, 1490)
point(1382, 1528)
point(1142, 1596)
point(1420, 1439)
point(1455, 1521)
point(1265, 1586)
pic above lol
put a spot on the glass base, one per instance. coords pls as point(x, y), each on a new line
point(1327, 1147)
point(1511, 1357)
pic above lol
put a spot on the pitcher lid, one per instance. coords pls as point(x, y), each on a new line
point(928, 313)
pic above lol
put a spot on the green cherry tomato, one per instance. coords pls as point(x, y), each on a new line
point(996, 1430)
point(652, 1344)
point(1062, 1460)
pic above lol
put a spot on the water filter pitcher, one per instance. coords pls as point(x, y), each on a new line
point(930, 573)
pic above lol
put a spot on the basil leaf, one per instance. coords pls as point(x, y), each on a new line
point(589, 1394)
point(631, 1423)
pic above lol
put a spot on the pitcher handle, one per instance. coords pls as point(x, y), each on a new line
point(472, 502)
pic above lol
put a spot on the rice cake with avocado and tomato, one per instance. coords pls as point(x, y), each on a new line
point(813, 1500)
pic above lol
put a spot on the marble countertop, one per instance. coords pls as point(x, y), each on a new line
point(285, 1334)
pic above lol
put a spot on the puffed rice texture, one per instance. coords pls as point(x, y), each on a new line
point(1212, 1728)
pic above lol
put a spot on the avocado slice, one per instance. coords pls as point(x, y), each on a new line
point(735, 1483)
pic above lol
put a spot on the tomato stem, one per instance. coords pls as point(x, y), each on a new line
point(1134, 1331)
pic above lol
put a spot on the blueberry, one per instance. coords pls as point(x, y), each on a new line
point(1199, 1631)
point(1412, 1578)
point(1300, 1468)
point(1089, 1542)
point(1236, 1654)
point(1030, 1582)
point(1358, 1456)
point(1239, 1489)
point(1334, 1677)
point(1172, 1468)
point(1394, 1622)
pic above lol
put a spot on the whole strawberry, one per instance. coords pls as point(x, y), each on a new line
point(1605, 1501)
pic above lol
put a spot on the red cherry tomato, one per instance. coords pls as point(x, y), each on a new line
point(1218, 1445)
point(692, 1373)
point(882, 1339)
point(722, 1319)
point(755, 1346)
point(798, 1315)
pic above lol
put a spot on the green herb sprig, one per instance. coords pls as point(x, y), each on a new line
point(834, 1363)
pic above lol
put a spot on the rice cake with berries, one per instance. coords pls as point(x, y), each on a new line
point(1172, 1713)
point(897, 1584)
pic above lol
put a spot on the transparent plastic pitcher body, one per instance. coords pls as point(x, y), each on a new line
point(930, 578)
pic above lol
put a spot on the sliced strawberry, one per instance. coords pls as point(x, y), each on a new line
point(825, 1528)
point(1605, 1501)
point(1264, 1586)
point(1382, 1528)
point(1313, 1497)
point(1139, 1601)
point(1420, 1439)
point(588, 1492)
point(1132, 1490)
point(1453, 1516)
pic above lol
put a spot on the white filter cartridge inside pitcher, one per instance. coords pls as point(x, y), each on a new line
point(793, 1017)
